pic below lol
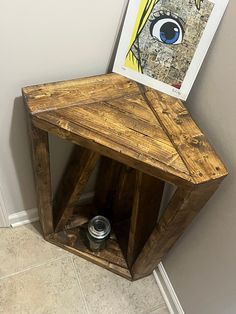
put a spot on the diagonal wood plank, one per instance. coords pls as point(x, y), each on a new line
point(183, 207)
point(87, 90)
point(77, 173)
point(147, 198)
point(191, 144)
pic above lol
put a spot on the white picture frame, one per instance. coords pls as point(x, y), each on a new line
point(182, 91)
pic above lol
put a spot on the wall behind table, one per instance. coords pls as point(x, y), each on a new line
point(44, 41)
point(201, 266)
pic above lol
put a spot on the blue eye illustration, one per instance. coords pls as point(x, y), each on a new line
point(167, 29)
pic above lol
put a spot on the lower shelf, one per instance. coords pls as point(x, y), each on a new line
point(73, 239)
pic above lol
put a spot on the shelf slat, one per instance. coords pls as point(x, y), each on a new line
point(111, 257)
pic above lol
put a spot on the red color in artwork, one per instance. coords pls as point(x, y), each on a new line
point(177, 85)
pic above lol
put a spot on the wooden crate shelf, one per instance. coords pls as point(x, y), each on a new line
point(73, 238)
point(111, 257)
point(142, 139)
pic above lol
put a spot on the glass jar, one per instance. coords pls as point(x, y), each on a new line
point(98, 232)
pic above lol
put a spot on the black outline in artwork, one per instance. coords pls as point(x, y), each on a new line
point(147, 7)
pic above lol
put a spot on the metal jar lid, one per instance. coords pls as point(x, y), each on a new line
point(99, 227)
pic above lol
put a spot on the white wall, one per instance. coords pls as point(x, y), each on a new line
point(202, 265)
point(43, 41)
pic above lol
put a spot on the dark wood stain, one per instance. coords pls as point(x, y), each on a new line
point(142, 138)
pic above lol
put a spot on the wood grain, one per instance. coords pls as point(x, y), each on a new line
point(144, 137)
point(111, 257)
point(189, 141)
point(88, 90)
point(42, 175)
point(123, 200)
point(183, 207)
point(137, 126)
point(106, 185)
point(114, 135)
point(147, 199)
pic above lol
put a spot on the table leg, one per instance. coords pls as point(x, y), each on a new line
point(41, 164)
point(183, 207)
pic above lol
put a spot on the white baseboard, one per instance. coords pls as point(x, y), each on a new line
point(4, 221)
point(23, 217)
point(31, 215)
point(167, 290)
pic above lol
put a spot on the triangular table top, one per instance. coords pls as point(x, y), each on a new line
point(112, 113)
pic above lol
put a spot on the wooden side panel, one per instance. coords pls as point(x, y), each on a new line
point(106, 185)
point(77, 173)
point(147, 199)
point(41, 164)
point(106, 146)
point(114, 197)
point(183, 207)
point(124, 195)
point(133, 133)
point(122, 207)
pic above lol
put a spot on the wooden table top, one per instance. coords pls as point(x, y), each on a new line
point(134, 124)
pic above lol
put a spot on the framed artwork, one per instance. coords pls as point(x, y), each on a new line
point(163, 42)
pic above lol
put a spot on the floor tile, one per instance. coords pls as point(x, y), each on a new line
point(23, 247)
point(160, 310)
point(47, 289)
point(108, 293)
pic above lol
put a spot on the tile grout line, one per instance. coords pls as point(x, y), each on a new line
point(80, 285)
point(33, 267)
point(154, 308)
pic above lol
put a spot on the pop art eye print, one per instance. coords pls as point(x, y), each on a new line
point(164, 42)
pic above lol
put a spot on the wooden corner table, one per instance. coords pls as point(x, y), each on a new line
point(142, 139)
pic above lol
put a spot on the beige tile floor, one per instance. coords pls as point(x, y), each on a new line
point(37, 277)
